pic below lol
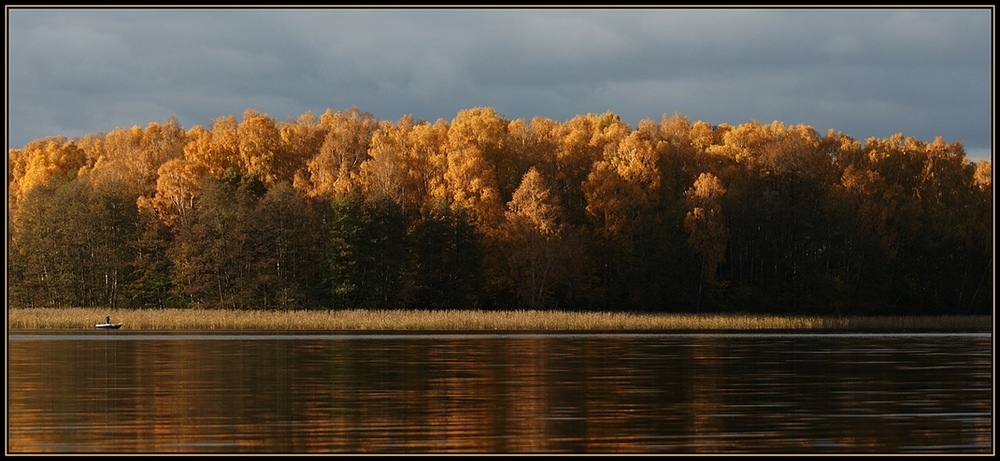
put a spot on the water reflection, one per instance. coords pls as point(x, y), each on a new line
point(525, 393)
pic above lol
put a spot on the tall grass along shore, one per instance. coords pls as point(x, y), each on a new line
point(462, 320)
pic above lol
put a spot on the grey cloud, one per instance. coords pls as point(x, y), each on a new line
point(867, 72)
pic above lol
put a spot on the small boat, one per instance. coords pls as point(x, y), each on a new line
point(107, 325)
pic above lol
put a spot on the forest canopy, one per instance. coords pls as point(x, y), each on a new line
point(348, 211)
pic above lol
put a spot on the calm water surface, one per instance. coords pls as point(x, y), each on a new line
point(208, 392)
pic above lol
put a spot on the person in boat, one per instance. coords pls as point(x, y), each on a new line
point(107, 320)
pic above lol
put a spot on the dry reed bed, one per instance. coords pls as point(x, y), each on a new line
point(462, 320)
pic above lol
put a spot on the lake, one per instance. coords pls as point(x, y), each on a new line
point(320, 392)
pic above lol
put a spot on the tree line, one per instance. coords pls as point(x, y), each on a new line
point(348, 211)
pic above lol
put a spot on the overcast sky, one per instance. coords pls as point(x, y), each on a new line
point(864, 72)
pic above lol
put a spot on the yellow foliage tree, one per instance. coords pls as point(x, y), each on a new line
point(623, 185)
point(534, 235)
point(259, 147)
point(334, 170)
point(474, 150)
point(176, 191)
point(429, 152)
point(217, 149)
point(984, 175)
point(300, 141)
point(582, 142)
point(388, 167)
point(706, 225)
point(38, 162)
point(743, 142)
point(134, 155)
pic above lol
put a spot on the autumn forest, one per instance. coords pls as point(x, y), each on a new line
point(348, 211)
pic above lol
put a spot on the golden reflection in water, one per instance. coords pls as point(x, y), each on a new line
point(706, 400)
point(531, 394)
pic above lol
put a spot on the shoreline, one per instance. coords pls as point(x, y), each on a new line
point(465, 320)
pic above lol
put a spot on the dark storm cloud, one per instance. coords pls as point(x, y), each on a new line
point(865, 72)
